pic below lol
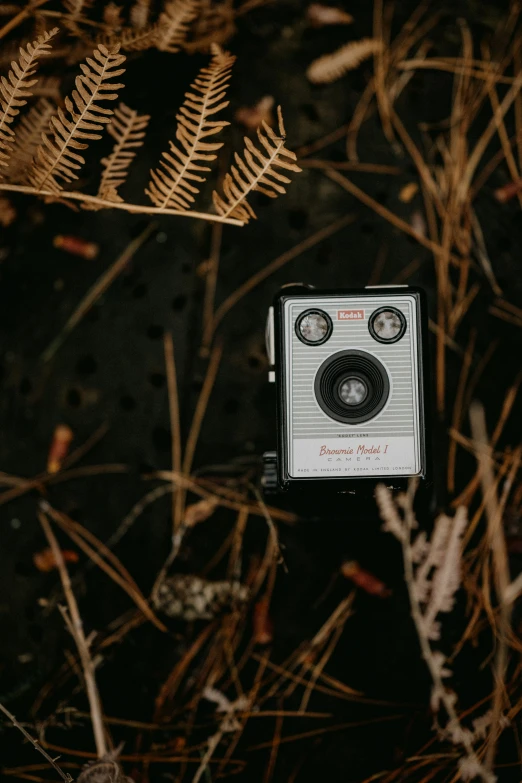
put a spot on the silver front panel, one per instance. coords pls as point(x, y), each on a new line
point(319, 446)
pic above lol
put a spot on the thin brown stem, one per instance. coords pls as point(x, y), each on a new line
point(98, 289)
point(66, 777)
point(497, 543)
point(211, 277)
point(139, 209)
point(175, 427)
point(20, 17)
point(76, 627)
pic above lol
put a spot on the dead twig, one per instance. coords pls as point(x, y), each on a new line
point(75, 626)
point(64, 775)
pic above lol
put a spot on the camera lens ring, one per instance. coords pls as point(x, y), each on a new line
point(305, 314)
point(354, 364)
point(376, 314)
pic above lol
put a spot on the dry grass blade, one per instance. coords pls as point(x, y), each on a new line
point(100, 555)
point(57, 158)
point(16, 88)
point(227, 498)
point(458, 410)
point(97, 290)
point(173, 184)
point(482, 144)
point(173, 24)
point(27, 138)
point(175, 426)
point(199, 414)
point(256, 172)
point(331, 67)
point(497, 543)
point(476, 68)
point(128, 129)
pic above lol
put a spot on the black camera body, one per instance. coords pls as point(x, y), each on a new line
point(350, 368)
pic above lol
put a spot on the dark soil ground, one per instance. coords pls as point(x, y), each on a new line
point(111, 370)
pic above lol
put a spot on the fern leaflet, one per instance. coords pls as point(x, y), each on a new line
point(55, 157)
point(28, 135)
point(173, 24)
point(128, 129)
point(16, 88)
point(173, 184)
point(257, 171)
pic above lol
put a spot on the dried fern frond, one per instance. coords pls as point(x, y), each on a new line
point(28, 135)
point(16, 88)
point(56, 157)
point(257, 171)
point(139, 14)
point(172, 185)
point(131, 39)
point(332, 66)
point(128, 129)
point(174, 22)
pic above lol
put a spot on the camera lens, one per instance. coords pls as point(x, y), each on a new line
point(353, 391)
point(387, 325)
point(313, 327)
point(352, 386)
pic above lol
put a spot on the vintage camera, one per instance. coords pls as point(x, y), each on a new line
point(350, 374)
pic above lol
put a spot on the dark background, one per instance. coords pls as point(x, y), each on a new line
point(111, 369)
